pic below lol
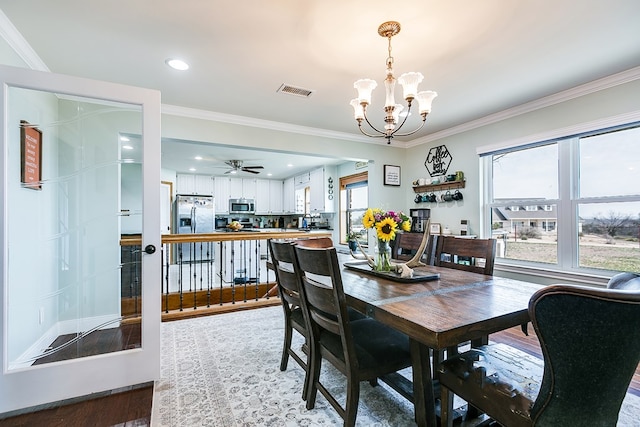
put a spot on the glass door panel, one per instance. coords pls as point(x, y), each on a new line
point(80, 295)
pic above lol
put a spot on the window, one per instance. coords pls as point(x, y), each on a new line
point(588, 189)
point(354, 201)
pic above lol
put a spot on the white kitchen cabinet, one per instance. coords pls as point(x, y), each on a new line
point(263, 206)
point(185, 184)
point(242, 188)
point(322, 190)
point(194, 184)
point(268, 196)
point(302, 180)
point(221, 194)
point(204, 185)
point(288, 196)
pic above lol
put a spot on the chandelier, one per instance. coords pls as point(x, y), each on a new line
point(409, 82)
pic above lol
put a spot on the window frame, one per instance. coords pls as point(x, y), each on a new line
point(345, 181)
point(567, 204)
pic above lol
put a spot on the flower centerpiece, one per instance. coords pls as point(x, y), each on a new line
point(386, 224)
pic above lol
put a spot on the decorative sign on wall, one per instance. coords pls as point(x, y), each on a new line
point(438, 161)
point(30, 156)
point(392, 175)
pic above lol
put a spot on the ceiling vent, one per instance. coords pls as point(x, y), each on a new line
point(296, 91)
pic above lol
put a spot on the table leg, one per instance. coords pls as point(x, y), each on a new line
point(424, 402)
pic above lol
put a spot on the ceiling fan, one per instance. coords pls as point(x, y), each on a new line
point(236, 166)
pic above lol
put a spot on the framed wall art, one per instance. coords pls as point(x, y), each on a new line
point(392, 175)
point(30, 156)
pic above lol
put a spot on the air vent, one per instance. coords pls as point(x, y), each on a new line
point(296, 91)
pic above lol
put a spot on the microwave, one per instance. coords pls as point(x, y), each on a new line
point(246, 206)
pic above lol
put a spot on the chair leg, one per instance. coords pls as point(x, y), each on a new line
point(284, 361)
point(313, 366)
point(446, 407)
point(305, 390)
point(351, 407)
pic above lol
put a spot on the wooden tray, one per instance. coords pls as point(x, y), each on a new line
point(363, 267)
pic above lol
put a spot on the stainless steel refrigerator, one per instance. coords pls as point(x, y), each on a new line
point(194, 214)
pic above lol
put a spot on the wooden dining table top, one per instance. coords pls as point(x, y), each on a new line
point(457, 307)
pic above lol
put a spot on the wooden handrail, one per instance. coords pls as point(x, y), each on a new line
point(226, 236)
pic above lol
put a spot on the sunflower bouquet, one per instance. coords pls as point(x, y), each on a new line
point(386, 224)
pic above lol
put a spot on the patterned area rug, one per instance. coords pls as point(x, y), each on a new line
point(223, 371)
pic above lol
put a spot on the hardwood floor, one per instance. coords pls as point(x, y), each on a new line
point(125, 409)
point(132, 408)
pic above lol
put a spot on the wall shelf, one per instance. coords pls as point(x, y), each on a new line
point(453, 185)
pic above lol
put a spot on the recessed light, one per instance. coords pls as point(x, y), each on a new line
point(269, 174)
point(177, 64)
point(192, 169)
point(124, 139)
point(198, 157)
point(289, 165)
point(127, 147)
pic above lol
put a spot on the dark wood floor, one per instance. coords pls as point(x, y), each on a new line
point(133, 408)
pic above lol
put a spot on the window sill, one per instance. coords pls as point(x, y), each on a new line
point(546, 275)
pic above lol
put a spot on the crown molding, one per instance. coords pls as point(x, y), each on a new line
point(194, 113)
point(566, 95)
point(19, 45)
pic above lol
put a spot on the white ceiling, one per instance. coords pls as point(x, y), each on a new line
point(482, 57)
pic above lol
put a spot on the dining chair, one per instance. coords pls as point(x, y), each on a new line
point(362, 350)
point(590, 341)
point(475, 255)
point(405, 246)
point(282, 256)
point(315, 242)
point(288, 287)
point(624, 280)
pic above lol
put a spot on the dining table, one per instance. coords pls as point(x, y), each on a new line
point(437, 308)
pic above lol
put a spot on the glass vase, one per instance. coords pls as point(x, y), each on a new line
point(382, 253)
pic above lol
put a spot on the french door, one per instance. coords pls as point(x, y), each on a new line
point(80, 174)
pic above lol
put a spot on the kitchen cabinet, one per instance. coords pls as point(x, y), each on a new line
point(194, 184)
point(221, 194)
point(269, 196)
point(288, 196)
point(242, 188)
point(322, 190)
point(302, 180)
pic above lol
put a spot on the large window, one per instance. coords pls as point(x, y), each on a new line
point(570, 204)
point(354, 200)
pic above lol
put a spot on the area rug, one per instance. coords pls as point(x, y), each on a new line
point(223, 371)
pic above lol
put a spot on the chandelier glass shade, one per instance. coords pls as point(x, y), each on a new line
point(409, 82)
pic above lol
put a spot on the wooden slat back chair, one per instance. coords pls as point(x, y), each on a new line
point(282, 256)
point(590, 341)
point(312, 242)
point(453, 252)
point(480, 254)
point(362, 350)
point(315, 242)
point(405, 245)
